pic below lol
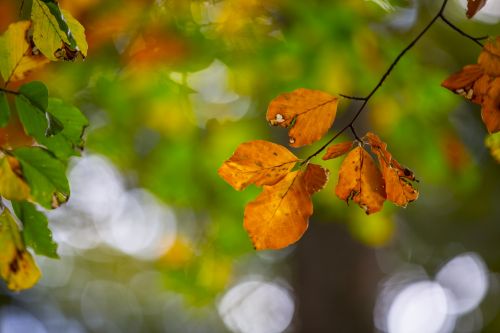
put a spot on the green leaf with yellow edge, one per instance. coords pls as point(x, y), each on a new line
point(31, 105)
point(56, 33)
point(16, 53)
point(45, 175)
point(493, 143)
point(12, 187)
point(36, 232)
point(4, 109)
point(17, 266)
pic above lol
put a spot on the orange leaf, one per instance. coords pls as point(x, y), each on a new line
point(279, 216)
point(337, 150)
point(257, 162)
point(479, 83)
point(473, 6)
point(309, 113)
point(361, 181)
point(397, 179)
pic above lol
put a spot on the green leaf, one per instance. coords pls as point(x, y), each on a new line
point(45, 175)
point(36, 232)
point(4, 110)
point(57, 34)
point(31, 105)
point(67, 142)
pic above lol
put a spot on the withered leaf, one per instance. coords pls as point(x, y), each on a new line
point(473, 6)
point(361, 181)
point(308, 113)
point(279, 216)
point(480, 84)
point(337, 150)
point(257, 162)
point(397, 179)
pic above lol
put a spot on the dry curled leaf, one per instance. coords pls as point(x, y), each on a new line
point(279, 216)
point(361, 181)
point(308, 113)
point(337, 150)
point(397, 179)
point(257, 162)
point(480, 83)
point(473, 6)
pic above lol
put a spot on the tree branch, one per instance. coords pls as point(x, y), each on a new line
point(463, 33)
point(7, 91)
point(365, 100)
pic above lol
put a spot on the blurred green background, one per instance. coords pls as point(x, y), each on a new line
point(152, 239)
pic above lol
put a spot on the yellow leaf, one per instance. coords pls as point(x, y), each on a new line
point(12, 187)
point(16, 54)
point(279, 216)
point(337, 150)
point(361, 181)
point(17, 266)
point(309, 113)
point(397, 178)
point(257, 162)
point(51, 38)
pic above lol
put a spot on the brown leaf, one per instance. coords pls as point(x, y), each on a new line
point(257, 162)
point(309, 113)
point(279, 216)
point(473, 6)
point(337, 150)
point(479, 84)
point(397, 179)
point(361, 181)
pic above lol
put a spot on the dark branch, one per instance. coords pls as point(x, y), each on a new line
point(7, 91)
point(463, 33)
point(365, 100)
point(353, 97)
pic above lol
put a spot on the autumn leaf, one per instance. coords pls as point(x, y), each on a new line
point(473, 6)
point(12, 186)
point(361, 181)
point(17, 57)
point(308, 113)
point(56, 33)
point(337, 150)
point(397, 179)
point(17, 266)
point(257, 162)
point(279, 216)
point(480, 83)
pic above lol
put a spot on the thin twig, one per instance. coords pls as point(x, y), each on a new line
point(353, 97)
point(379, 84)
point(7, 91)
point(460, 31)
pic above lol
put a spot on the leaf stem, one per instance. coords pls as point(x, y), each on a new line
point(7, 91)
point(350, 125)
